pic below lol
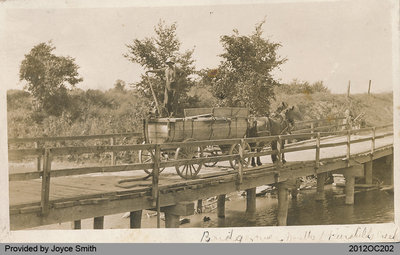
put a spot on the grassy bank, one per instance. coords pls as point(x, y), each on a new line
point(377, 108)
point(117, 111)
point(88, 112)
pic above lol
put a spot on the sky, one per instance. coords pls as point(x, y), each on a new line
point(331, 41)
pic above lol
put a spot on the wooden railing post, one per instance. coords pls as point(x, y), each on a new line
point(279, 148)
point(317, 150)
point(373, 141)
point(155, 192)
point(240, 164)
point(113, 154)
point(369, 87)
point(348, 147)
point(312, 129)
point(45, 193)
point(348, 90)
point(39, 158)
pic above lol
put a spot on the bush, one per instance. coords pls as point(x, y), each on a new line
point(89, 112)
point(301, 87)
point(17, 99)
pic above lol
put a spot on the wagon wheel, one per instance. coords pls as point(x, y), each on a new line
point(145, 156)
point(211, 151)
point(188, 171)
point(235, 150)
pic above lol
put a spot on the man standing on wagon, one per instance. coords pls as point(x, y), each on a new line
point(171, 79)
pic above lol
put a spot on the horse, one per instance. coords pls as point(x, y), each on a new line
point(273, 126)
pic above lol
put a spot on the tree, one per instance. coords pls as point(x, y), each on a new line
point(244, 76)
point(151, 53)
point(119, 85)
point(49, 77)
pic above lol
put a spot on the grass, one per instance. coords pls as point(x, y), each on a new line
point(377, 108)
point(97, 112)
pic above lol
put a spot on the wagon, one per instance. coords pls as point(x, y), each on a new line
point(199, 124)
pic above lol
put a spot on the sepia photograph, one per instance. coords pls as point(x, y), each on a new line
point(260, 121)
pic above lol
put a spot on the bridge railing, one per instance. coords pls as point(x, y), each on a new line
point(40, 143)
point(316, 125)
point(241, 156)
point(17, 140)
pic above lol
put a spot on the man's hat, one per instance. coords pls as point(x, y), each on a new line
point(169, 60)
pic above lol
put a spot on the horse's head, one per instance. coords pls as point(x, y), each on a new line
point(291, 114)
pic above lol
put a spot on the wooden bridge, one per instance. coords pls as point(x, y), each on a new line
point(55, 194)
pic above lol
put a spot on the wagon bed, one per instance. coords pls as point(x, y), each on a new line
point(199, 124)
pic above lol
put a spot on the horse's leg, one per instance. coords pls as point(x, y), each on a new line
point(253, 162)
point(258, 158)
point(273, 147)
point(283, 154)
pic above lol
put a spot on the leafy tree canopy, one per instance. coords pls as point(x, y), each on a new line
point(119, 85)
point(152, 52)
point(243, 78)
point(48, 77)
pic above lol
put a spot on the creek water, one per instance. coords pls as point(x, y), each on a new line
point(373, 206)
point(370, 207)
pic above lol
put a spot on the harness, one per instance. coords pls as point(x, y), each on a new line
point(286, 128)
point(283, 122)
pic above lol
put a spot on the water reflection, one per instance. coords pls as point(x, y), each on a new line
point(370, 207)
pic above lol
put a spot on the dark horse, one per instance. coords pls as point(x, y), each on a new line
point(264, 126)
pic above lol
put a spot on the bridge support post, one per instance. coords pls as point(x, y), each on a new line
point(283, 203)
point(135, 219)
point(221, 206)
point(76, 224)
point(349, 189)
point(389, 161)
point(350, 173)
point(98, 222)
point(294, 191)
point(171, 220)
point(200, 206)
point(320, 187)
point(368, 172)
point(251, 201)
point(173, 213)
point(392, 169)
